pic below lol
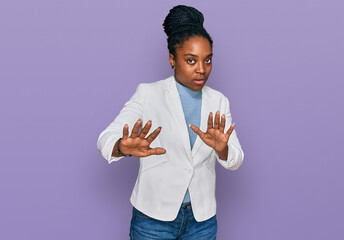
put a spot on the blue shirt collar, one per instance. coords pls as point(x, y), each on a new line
point(187, 92)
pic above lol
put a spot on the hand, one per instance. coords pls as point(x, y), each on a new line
point(137, 144)
point(215, 137)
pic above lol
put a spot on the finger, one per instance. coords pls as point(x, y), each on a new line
point(125, 131)
point(230, 130)
point(210, 120)
point(223, 123)
point(217, 120)
point(156, 151)
point(197, 131)
point(153, 135)
point(136, 129)
point(145, 130)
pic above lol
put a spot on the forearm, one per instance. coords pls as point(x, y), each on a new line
point(129, 114)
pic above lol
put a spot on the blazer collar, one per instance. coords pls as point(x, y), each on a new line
point(170, 86)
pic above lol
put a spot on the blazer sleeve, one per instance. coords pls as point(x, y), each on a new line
point(235, 153)
point(130, 113)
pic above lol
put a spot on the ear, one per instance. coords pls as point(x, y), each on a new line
point(172, 60)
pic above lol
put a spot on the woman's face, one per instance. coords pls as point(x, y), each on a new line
point(192, 63)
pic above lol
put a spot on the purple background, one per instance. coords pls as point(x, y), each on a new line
point(68, 66)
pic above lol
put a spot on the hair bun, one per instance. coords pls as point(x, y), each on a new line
point(182, 17)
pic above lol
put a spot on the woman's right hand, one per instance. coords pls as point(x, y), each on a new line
point(137, 144)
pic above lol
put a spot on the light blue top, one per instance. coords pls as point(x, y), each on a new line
point(192, 104)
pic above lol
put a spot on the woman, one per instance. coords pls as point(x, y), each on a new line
point(174, 194)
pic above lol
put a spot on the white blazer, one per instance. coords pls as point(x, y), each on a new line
point(162, 180)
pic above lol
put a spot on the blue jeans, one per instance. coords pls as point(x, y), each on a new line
point(184, 227)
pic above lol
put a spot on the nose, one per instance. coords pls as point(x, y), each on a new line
point(200, 68)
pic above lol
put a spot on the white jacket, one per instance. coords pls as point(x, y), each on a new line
point(163, 179)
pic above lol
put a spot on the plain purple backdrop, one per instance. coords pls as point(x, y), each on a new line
point(67, 68)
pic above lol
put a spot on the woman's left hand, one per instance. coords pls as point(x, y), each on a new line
point(215, 137)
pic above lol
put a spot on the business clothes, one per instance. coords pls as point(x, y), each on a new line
point(163, 179)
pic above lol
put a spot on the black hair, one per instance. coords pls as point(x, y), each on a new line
point(182, 23)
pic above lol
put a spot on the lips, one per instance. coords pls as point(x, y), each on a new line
point(199, 81)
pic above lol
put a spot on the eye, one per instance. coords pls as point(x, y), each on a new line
point(208, 60)
point(190, 61)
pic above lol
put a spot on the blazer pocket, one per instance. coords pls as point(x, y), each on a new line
point(152, 161)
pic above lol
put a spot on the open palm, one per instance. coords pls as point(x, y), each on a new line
point(215, 137)
point(137, 144)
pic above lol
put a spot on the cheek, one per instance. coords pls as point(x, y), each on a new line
point(189, 73)
point(185, 70)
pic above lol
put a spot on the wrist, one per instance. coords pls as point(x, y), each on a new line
point(223, 154)
point(118, 150)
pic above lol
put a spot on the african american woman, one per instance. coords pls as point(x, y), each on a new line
point(186, 127)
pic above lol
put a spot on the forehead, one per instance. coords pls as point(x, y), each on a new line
point(199, 46)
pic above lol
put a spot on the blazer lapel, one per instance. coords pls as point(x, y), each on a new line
point(204, 120)
point(175, 106)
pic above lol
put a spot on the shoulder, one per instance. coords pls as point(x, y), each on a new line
point(213, 93)
point(157, 85)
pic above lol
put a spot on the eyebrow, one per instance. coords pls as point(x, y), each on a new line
point(190, 54)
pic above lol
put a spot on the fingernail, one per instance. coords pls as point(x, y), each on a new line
point(190, 125)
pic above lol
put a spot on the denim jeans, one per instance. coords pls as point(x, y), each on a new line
point(184, 227)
